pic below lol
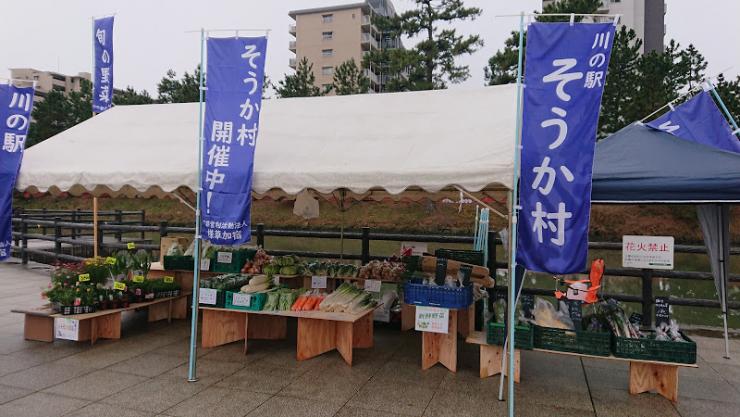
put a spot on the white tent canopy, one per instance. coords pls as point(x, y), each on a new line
point(430, 140)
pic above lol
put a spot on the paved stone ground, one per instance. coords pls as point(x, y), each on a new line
point(143, 374)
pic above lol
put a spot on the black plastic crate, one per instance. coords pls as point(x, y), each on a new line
point(474, 257)
point(523, 335)
point(655, 350)
point(589, 343)
point(178, 263)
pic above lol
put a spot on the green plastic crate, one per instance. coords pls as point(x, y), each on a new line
point(474, 257)
point(255, 304)
point(178, 263)
point(523, 335)
point(589, 343)
point(220, 300)
point(238, 259)
point(655, 350)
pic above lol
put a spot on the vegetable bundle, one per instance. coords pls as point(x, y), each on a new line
point(347, 299)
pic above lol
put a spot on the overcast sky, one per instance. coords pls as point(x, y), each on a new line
point(150, 36)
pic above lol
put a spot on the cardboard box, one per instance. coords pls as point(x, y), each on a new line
point(167, 241)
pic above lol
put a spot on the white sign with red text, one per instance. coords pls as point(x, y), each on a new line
point(648, 252)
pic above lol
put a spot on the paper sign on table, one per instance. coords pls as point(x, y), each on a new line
point(207, 296)
point(372, 285)
point(205, 264)
point(318, 281)
point(243, 300)
point(432, 319)
point(276, 280)
point(83, 277)
point(67, 329)
point(224, 257)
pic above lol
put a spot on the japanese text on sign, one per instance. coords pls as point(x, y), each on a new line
point(566, 70)
point(432, 319)
point(651, 252)
point(103, 77)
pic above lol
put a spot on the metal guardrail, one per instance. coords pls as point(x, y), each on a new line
point(39, 220)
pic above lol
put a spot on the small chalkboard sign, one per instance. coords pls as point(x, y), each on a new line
point(441, 271)
point(576, 313)
point(662, 311)
point(636, 319)
point(527, 301)
point(466, 271)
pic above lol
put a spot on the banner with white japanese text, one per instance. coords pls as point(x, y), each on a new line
point(566, 66)
point(699, 120)
point(103, 76)
point(16, 104)
point(233, 98)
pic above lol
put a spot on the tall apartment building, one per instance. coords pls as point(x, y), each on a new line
point(329, 36)
point(645, 17)
point(47, 81)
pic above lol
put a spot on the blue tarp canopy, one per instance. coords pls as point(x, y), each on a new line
point(641, 165)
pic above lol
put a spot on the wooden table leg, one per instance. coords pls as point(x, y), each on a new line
point(93, 329)
point(408, 316)
point(651, 376)
point(108, 326)
point(315, 337)
point(466, 321)
point(362, 332)
point(267, 327)
point(490, 361)
point(40, 328)
point(442, 348)
point(222, 327)
point(158, 311)
point(344, 340)
point(180, 308)
point(169, 312)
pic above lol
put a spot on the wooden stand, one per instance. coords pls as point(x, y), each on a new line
point(465, 319)
point(646, 377)
point(104, 324)
point(490, 357)
point(318, 332)
point(441, 348)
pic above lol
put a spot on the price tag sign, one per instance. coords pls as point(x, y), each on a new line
point(83, 277)
point(527, 305)
point(205, 264)
point(276, 280)
point(131, 245)
point(224, 257)
point(662, 311)
point(207, 296)
point(243, 300)
point(120, 286)
point(67, 329)
point(138, 278)
point(110, 261)
point(169, 280)
point(432, 319)
point(372, 285)
point(318, 281)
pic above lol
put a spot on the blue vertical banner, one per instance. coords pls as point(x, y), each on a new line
point(699, 120)
point(236, 72)
point(566, 66)
point(103, 76)
point(16, 104)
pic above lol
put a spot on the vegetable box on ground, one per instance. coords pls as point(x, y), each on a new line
point(417, 293)
point(248, 302)
point(648, 348)
point(562, 340)
point(523, 335)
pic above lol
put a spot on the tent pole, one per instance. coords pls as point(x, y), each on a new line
point(196, 246)
point(723, 276)
point(95, 227)
point(724, 108)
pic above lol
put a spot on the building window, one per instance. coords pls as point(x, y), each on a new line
point(327, 36)
point(326, 87)
point(327, 18)
point(327, 70)
point(327, 52)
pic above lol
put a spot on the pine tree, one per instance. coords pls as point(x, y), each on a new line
point(620, 89)
point(130, 96)
point(300, 84)
point(58, 112)
point(349, 79)
point(185, 90)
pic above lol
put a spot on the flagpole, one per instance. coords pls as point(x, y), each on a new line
point(196, 245)
point(724, 108)
point(95, 198)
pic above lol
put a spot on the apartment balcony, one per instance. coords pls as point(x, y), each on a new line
point(291, 46)
point(368, 42)
point(292, 63)
point(366, 19)
point(372, 76)
point(291, 29)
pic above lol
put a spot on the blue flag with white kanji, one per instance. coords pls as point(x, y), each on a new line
point(103, 71)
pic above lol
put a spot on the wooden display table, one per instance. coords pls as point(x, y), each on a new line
point(318, 332)
point(103, 324)
point(645, 375)
point(439, 347)
point(490, 357)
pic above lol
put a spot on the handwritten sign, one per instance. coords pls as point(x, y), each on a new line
point(169, 280)
point(67, 329)
point(205, 264)
point(440, 272)
point(276, 280)
point(120, 286)
point(651, 252)
point(575, 312)
point(110, 261)
point(83, 277)
point(318, 281)
point(138, 278)
point(243, 300)
point(527, 305)
point(207, 296)
point(636, 319)
point(373, 285)
point(662, 311)
point(131, 245)
point(432, 319)
point(224, 257)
